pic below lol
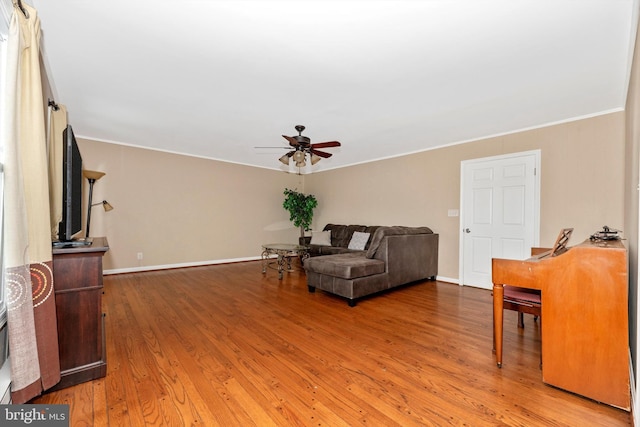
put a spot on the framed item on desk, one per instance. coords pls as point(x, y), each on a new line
point(560, 246)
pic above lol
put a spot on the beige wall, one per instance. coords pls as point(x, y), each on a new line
point(632, 167)
point(582, 184)
point(180, 210)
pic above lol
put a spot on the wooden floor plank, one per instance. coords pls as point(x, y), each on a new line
point(227, 345)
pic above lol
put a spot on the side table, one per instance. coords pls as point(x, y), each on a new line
point(284, 252)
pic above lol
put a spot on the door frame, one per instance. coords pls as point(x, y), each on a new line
point(536, 204)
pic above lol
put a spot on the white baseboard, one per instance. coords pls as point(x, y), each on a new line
point(447, 279)
point(182, 265)
point(212, 262)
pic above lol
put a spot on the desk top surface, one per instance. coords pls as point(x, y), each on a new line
point(284, 247)
point(98, 244)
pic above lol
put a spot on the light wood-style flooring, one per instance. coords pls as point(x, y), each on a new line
point(225, 345)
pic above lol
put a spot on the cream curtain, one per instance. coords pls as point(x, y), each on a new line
point(31, 315)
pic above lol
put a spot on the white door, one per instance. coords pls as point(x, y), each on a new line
point(500, 205)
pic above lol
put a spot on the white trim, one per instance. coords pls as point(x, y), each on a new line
point(448, 280)
point(181, 265)
point(536, 210)
point(328, 168)
point(215, 262)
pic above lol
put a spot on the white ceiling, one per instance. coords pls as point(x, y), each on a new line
point(216, 79)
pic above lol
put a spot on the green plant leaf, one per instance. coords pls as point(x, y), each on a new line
point(300, 207)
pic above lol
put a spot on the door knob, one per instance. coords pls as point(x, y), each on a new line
point(466, 230)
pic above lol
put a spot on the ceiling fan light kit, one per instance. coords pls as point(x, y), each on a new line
point(302, 146)
point(285, 159)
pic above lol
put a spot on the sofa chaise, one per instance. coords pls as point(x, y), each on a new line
point(392, 256)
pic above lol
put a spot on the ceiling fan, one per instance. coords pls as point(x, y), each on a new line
point(302, 146)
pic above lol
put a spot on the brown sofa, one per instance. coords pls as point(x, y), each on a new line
point(393, 256)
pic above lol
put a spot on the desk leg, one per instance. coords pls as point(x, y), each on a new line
point(498, 300)
point(281, 261)
point(265, 261)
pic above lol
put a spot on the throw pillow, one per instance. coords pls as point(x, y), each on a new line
point(359, 240)
point(321, 238)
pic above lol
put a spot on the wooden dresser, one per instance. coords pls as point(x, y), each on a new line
point(77, 275)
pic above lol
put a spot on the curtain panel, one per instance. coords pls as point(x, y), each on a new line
point(31, 313)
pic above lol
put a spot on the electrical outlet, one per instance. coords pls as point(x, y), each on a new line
point(140, 255)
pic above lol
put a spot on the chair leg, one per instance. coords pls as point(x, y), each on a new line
point(520, 320)
point(540, 344)
point(493, 332)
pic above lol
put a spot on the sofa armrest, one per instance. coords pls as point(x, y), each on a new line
point(411, 257)
point(383, 232)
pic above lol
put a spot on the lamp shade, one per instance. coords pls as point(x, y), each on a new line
point(284, 159)
point(107, 206)
point(298, 156)
point(93, 175)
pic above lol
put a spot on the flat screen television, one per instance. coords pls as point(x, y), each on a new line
point(71, 224)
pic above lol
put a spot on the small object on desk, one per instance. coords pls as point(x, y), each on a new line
point(605, 234)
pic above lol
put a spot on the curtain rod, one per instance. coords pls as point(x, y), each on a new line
point(22, 9)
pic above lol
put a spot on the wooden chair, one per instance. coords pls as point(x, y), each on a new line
point(523, 301)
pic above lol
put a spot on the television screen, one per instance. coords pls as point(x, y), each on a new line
point(71, 223)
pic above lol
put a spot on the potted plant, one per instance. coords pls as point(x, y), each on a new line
point(300, 207)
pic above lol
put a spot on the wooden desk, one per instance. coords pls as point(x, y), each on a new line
point(585, 326)
point(77, 276)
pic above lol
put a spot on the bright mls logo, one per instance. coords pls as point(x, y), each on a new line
point(34, 415)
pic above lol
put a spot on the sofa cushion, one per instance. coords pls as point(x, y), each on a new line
point(346, 266)
point(321, 238)
point(331, 250)
point(358, 240)
point(341, 234)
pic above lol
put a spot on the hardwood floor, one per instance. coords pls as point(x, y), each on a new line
point(225, 345)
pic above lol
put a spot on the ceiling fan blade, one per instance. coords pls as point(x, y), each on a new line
point(327, 144)
point(321, 153)
point(292, 140)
